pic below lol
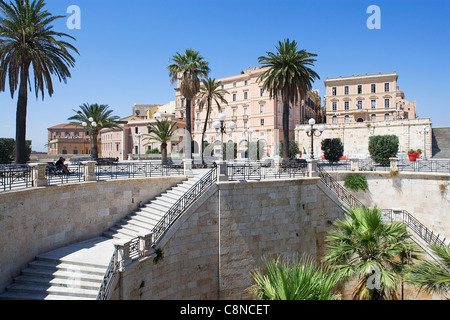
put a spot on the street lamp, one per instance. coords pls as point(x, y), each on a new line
point(424, 131)
point(311, 131)
point(92, 124)
point(221, 125)
point(249, 132)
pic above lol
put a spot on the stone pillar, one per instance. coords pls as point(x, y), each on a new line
point(277, 161)
point(123, 252)
point(38, 174)
point(222, 171)
point(145, 243)
point(354, 164)
point(187, 165)
point(312, 167)
point(89, 170)
point(394, 164)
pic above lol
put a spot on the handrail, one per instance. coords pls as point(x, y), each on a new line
point(159, 229)
point(183, 203)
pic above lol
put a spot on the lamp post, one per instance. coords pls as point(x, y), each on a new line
point(424, 131)
point(312, 131)
point(91, 124)
point(221, 125)
point(249, 132)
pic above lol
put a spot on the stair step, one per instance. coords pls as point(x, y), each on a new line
point(137, 222)
point(153, 211)
point(71, 282)
point(143, 217)
point(49, 274)
point(52, 290)
point(16, 295)
point(63, 266)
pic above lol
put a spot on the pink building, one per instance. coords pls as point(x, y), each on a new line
point(257, 116)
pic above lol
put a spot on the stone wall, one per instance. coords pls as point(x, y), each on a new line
point(355, 136)
point(210, 251)
point(38, 220)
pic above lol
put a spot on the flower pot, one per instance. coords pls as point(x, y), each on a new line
point(412, 156)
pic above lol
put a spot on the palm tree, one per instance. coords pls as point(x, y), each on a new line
point(430, 276)
point(162, 132)
point(290, 76)
point(100, 115)
point(27, 39)
point(366, 248)
point(211, 90)
point(295, 280)
point(187, 68)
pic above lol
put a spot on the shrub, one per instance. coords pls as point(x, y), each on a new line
point(381, 148)
point(293, 148)
point(333, 149)
point(356, 182)
point(153, 151)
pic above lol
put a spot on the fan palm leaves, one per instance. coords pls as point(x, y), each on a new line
point(366, 248)
point(27, 39)
point(430, 276)
point(288, 74)
point(100, 114)
point(210, 91)
point(188, 68)
point(303, 279)
point(162, 132)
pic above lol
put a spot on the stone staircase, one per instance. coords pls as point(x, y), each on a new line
point(441, 143)
point(75, 272)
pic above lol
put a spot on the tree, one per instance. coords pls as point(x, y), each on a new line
point(187, 68)
point(102, 117)
point(295, 280)
point(431, 276)
point(293, 149)
point(333, 149)
point(209, 91)
point(162, 132)
point(289, 75)
point(383, 147)
point(7, 150)
point(27, 40)
point(366, 248)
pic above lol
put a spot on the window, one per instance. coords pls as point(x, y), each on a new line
point(261, 108)
point(373, 104)
point(245, 95)
point(347, 105)
point(261, 92)
point(359, 88)
point(334, 91)
point(334, 106)
point(359, 104)
point(373, 88)
point(234, 112)
point(373, 117)
point(234, 84)
point(386, 87)
point(262, 122)
point(346, 90)
point(386, 103)
point(245, 111)
point(136, 130)
point(334, 119)
point(245, 82)
point(386, 117)
point(346, 119)
point(234, 96)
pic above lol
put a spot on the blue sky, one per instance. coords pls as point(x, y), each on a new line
point(125, 47)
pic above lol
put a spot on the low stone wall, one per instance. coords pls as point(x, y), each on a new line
point(38, 220)
point(425, 195)
point(210, 251)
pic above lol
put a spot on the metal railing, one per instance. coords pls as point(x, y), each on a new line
point(108, 280)
point(338, 189)
point(15, 177)
point(259, 171)
point(135, 170)
point(183, 203)
point(415, 225)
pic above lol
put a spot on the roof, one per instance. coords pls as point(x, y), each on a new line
point(63, 126)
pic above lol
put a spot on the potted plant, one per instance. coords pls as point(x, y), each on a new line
point(412, 155)
point(419, 152)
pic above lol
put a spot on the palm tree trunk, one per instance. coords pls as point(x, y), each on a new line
point(189, 128)
point(164, 153)
point(94, 145)
point(21, 118)
point(208, 110)
point(285, 128)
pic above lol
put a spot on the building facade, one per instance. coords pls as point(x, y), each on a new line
point(364, 98)
point(258, 117)
point(69, 139)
